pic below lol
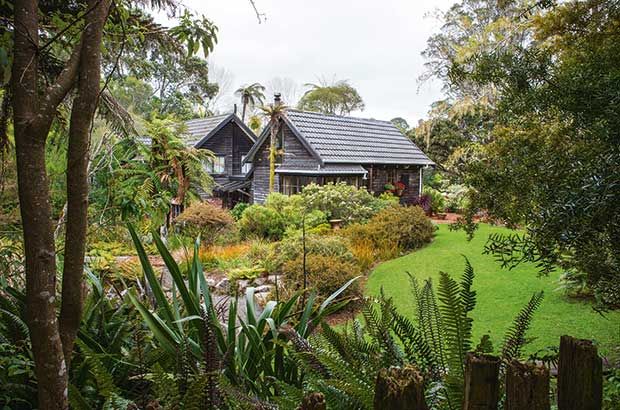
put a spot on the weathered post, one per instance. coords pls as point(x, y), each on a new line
point(399, 389)
point(481, 382)
point(527, 387)
point(313, 401)
point(580, 375)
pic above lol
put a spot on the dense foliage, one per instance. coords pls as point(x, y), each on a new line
point(547, 74)
point(338, 97)
point(204, 219)
point(393, 230)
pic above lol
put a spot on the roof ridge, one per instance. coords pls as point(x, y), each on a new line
point(349, 117)
point(210, 117)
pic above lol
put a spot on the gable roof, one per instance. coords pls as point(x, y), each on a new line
point(202, 129)
point(339, 139)
point(335, 139)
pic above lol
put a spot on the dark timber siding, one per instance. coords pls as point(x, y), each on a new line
point(231, 142)
point(379, 175)
point(295, 154)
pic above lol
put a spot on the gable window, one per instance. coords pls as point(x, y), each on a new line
point(246, 167)
point(216, 165)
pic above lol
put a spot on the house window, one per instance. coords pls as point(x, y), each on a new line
point(280, 139)
point(246, 167)
point(293, 184)
point(216, 165)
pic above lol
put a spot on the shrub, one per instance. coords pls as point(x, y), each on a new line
point(262, 253)
point(204, 219)
point(238, 209)
point(325, 274)
point(331, 246)
point(365, 255)
point(262, 222)
point(293, 211)
point(456, 198)
point(438, 203)
point(424, 202)
point(341, 201)
point(393, 230)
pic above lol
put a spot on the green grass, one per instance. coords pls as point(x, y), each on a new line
point(501, 293)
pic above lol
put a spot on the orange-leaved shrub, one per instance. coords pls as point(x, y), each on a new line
point(204, 219)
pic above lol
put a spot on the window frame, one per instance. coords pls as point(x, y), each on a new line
point(216, 165)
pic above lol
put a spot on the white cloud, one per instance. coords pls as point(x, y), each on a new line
point(376, 45)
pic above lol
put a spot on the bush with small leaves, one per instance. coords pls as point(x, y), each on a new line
point(393, 230)
point(262, 222)
point(325, 274)
point(204, 219)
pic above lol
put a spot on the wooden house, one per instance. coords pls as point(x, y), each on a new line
point(230, 140)
point(320, 148)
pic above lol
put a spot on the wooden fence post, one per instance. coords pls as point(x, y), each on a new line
point(580, 375)
point(313, 401)
point(399, 389)
point(527, 387)
point(481, 382)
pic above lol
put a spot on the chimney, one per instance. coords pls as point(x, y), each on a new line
point(277, 99)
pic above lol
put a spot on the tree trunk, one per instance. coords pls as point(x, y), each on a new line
point(82, 113)
point(580, 375)
point(31, 129)
point(527, 387)
point(481, 382)
point(33, 113)
point(399, 389)
point(272, 157)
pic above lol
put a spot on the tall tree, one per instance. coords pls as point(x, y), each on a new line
point(339, 98)
point(251, 95)
point(34, 108)
point(274, 113)
point(550, 160)
point(57, 48)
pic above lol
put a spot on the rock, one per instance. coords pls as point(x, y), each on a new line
point(263, 289)
point(272, 279)
point(223, 286)
point(242, 284)
point(259, 281)
point(262, 298)
point(212, 283)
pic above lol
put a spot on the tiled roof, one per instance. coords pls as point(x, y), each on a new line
point(201, 127)
point(338, 139)
point(329, 169)
point(199, 130)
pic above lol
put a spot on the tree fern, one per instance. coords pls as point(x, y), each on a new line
point(514, 340)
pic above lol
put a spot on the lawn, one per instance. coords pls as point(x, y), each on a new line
point(500, 292)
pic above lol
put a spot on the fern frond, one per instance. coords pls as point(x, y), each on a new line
point(457, 339)
point(468, 296)
point(514, 340)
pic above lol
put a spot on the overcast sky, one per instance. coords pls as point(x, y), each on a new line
point(376, 45)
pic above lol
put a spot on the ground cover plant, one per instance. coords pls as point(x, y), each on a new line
point(501, 292)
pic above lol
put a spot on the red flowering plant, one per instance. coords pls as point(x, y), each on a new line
point(399, 186)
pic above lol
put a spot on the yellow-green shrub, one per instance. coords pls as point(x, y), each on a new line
point(392, 231)
point(325, 274)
